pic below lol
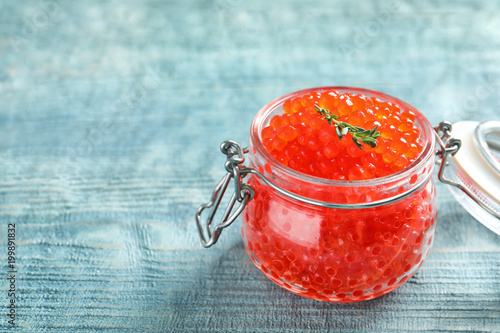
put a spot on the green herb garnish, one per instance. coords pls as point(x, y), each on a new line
point(359, 134)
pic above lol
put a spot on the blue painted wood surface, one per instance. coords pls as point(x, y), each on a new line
point(111, 115)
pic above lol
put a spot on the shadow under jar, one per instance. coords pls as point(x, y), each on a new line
point(346, 241)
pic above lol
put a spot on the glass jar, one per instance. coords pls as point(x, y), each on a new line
point(330, 240)
point(364, 239)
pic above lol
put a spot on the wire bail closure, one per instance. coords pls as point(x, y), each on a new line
point(449, 147)
point(243, 193)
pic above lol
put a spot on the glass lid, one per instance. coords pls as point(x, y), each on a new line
point(474, 170)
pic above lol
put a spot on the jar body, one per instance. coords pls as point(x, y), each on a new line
point(338, 255)
point(352, 252)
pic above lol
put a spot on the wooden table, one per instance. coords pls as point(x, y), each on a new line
point(111, 115)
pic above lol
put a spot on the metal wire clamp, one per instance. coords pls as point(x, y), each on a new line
point(449, 147)
point(242, 193)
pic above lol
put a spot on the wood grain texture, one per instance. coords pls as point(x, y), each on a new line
point(111, 115)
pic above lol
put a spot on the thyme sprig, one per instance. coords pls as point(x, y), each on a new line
point(359, 134)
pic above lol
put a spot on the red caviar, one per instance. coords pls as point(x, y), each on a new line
point(340, 254)
point(302, 127)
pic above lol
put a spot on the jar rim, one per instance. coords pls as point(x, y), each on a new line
point(427, 133)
